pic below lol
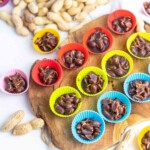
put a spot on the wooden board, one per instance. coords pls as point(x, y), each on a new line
point(59, 128)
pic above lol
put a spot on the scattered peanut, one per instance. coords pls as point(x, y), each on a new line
point(29, 17)
point(66, 17)
point(56, 7)
point(74, 10)
point(49, 3)
point(41, 21)
point(43, 11)
point(28, 1)
point(52, 26)
point(68, 4)
point(27, 127)
point(89, 8)
point(74, 4)
point(6, 17)
point(16, 2)
point(33, 8)
point(81, 16)
point(13, 121)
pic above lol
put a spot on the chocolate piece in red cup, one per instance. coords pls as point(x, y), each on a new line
point(3, 2)
point(97, 40)
point(73, 56)
point(121, 21)
point(47, 72)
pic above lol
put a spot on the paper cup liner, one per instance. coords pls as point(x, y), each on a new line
point(44, 63)
point(121, 13)
point(59, 92)
point(10, 73)
point(93, 30)
point(113, 95)
point(85, 115)
point(132, 77)
point(144, 8)
point(85, 72)
point(72, 46)
point(120, 53)
point(4, 3)
point(132, 38)
point(141, 135)
point(40, 34)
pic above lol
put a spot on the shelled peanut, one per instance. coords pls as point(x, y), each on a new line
point(52, 13)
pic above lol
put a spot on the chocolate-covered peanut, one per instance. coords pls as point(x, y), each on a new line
point(47, 42)
point(92, 83)
point(73, 59)
point(117, 66)
point(140, 47)
point(88, 129)
point(15, 83)
point(67, 104)
point(139, 90)
point(122, 24)
point(98, 42)
point(113, 109)
point(147, 7)
point(48, 75)
point(146, 141)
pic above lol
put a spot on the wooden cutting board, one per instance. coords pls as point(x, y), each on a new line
point(59, 128)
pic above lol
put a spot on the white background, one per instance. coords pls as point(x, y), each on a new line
point(17, 52)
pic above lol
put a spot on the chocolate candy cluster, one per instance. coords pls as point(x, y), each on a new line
point(140, 47)
point(122, 24)
point(98, 42)
point(47, 42)
point(113, 109)
point(15, 83)
point(88, 129)
point(147, 7)
point(146, 141)
point(73, 59)
point(67, 104)
point(117, 66)
point(92, 83)
point(48, 75)
point(139, 90)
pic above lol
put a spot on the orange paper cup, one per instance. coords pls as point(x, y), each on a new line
point(68, 47)
point(93, 30)
point(121, 13)
point(44, 63)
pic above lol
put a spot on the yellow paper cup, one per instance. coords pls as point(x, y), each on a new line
point(141, 135)
point(85, 72)
point(120, 53)
point(59, 92)
point(132, 38)
point(40, 34)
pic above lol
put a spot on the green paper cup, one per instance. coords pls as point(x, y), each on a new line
point(59, 92)
point(85, 72)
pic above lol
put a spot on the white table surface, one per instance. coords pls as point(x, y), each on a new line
point(17, 52)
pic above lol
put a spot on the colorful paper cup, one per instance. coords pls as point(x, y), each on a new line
point(85, 115)
point(42, 33)
point(85, 72)
point(131, 40)
point(141, 135)
point(10, 73)
point(144, 8)
point(132, 77)
point(93, 30)
point(121, 13)
point(44, 63)
point(72, 46)
point(120, 53)
point(113, 95)
point(59, 92)
point(3, 3)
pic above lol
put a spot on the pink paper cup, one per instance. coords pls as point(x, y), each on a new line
point(10, 73)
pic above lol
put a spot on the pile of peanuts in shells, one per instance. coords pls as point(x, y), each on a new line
point(31, 15)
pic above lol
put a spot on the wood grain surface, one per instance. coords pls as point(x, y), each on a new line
point(59, 128)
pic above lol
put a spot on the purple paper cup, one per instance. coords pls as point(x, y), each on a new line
point(3, 3)
point(10, 73)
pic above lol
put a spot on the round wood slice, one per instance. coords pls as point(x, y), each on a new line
point(60, 128)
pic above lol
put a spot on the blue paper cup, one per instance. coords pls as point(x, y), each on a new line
point(113, 95)
point(132, 77)
point(85, 115)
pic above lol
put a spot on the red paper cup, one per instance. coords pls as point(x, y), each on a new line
point(44, 63)
point(72, 46)
point(93, 30)
point(121, 13)
point(4, 3)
